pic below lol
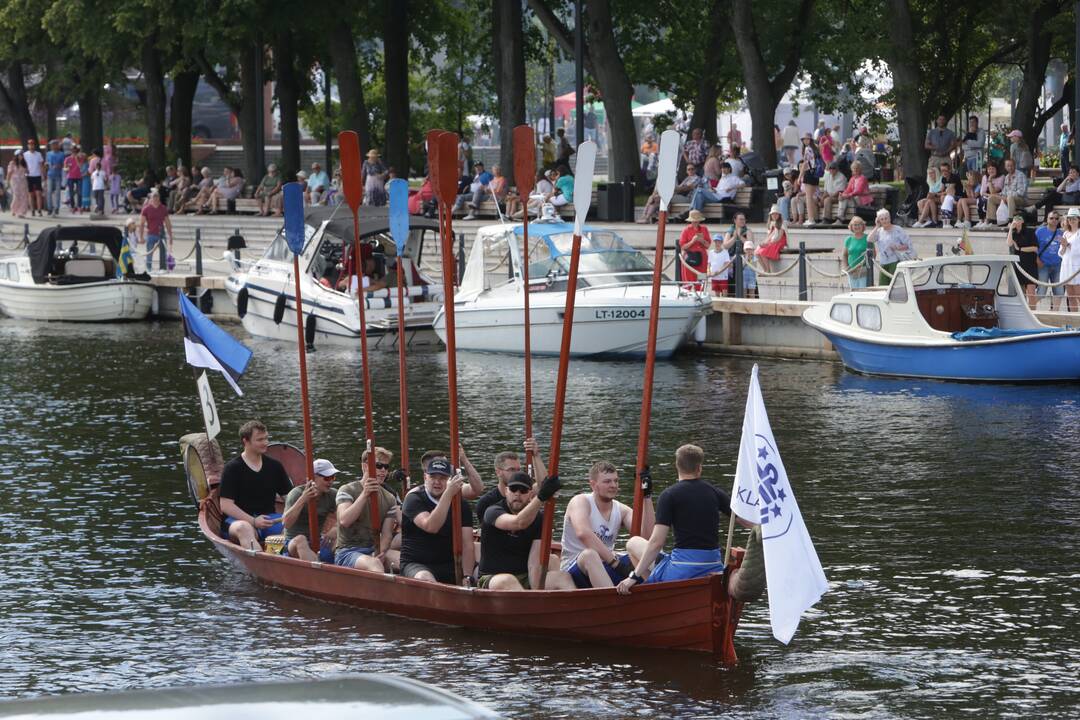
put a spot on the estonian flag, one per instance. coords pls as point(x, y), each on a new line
point(208, 346)
point(125, 262)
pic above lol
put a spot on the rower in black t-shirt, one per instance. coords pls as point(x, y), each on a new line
point(510, 538)
point(250, 484)
point(506, 464)
point(692, 507)
point(427, 549)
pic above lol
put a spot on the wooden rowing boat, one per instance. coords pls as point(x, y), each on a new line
point(695, 615)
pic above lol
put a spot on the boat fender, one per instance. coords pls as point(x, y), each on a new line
point(748, 581)
point(279, 308)
point(309, 331)
point(242, 302)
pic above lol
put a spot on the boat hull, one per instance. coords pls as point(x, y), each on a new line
point(694, 615)
point(1032, 358)
point(600, 328)
point(106, 301)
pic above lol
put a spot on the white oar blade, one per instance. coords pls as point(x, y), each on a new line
point(583, 180)
point(667, 166)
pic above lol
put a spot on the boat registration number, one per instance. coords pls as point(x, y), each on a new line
point(621, 314)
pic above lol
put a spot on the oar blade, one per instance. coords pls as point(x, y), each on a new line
point(352, 185)
point(667, 166)
point(398, 191)
point(448, 168)
point(524, 159)
point(433, 159)
point(292, 198)
point(583, 180)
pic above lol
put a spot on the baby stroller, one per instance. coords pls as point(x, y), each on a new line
point(908, 212)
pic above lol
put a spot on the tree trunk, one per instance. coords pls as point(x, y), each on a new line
point(155, 103)
point(509, 47)
point(91, 135)
point(185, 83)
point(396, 74)
point(52, 129)
point(615, 89)
point(911, 116)
point(287, 90)
point(14, 101)
point(1038, 44)
point(245, 113)
point(354, 113)
point(709, 84)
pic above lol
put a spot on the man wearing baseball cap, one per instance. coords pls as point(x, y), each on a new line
point(510, 538)
point(357, 547)
point(427, 550)
point(295, 517)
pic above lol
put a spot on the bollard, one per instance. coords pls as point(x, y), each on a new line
point(802, 271)
point(737, 268)
point(198, 251)
point(26, 233)
point(461, 258)
point(870, 267)
point(162, 261)
point(678, 265)
point(940, 249)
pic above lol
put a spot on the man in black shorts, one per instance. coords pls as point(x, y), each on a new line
point(510, 538)
point(427, 550)
point(35, 163)
point(250, 484)
point(692, 507)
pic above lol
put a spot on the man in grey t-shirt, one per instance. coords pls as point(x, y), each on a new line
point(940, 141)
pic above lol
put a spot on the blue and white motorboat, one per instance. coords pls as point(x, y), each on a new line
point(948, 318)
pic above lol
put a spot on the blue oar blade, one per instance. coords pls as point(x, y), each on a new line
point(398, 190)
point(293, 206)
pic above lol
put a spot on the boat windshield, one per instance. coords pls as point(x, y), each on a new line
point(279, 249)
point(605, 258)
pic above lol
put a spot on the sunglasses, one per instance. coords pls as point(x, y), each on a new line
point(382, 466)
point(518, 490)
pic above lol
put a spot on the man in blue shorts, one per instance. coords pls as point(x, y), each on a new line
point(591, 525)
point(298, 543)
point(357, 547)
point(692, 507)
point(250, 485)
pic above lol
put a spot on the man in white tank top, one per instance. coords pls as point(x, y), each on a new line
point(591, 525)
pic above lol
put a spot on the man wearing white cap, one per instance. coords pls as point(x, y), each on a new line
point(295, 517)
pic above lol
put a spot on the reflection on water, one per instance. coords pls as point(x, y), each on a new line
point(945, 515)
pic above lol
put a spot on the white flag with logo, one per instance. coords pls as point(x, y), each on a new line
point(762, 495)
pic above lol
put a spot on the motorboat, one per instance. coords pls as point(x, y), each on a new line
point(950, 318)
point(612, 306)
point(265, 298)
point(68, 273)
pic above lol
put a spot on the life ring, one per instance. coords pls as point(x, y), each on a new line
point(242, 302)
point(279, 308)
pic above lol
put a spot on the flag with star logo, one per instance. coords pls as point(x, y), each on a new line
point(762, 494)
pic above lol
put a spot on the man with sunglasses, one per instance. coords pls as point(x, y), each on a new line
point(357, 546)
point(510, 538)
point(295, 517)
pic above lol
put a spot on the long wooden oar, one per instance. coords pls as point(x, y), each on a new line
point(445, 159)
point(665, 187)
point(292, 201)
point(524, 177)
point(353, 186)
point(398, 191)
point(583, 180)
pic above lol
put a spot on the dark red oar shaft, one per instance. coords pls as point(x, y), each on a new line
point(309, 445)
point(528, 339)
point(451, 379)
point(369, 430)
point(403, 393)
point(650, 368)
point(560, 398)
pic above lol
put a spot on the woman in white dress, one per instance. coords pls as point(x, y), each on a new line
point(1070, 259)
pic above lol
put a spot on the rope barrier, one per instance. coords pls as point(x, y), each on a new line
point(1036, 281)
point(764, 273)
point(823, 273)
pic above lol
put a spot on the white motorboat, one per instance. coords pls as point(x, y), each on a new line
point(611, 314)
point(57, 279)
point(264, 293)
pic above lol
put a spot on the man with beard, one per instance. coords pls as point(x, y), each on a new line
point(427, 527)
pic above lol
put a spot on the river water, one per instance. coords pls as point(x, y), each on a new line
point(946, 517)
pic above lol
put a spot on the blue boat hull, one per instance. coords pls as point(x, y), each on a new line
point(1032, 358)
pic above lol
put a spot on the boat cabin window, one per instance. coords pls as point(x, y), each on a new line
point(4, 270)
point(13, 272)
point(963, 274)
point(898, 291)
point(920, 276)
point(1007, 283)
point(278, 250)
point(869, 316)
point(841, 312)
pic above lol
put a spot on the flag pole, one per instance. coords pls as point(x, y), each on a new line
point(665, 187)
point(293, 209)
point(586, 161)
point(524, 177)
point(352, 185)
point(444, 159)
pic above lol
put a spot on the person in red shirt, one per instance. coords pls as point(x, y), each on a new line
point(153, 224)
point(694, 245)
